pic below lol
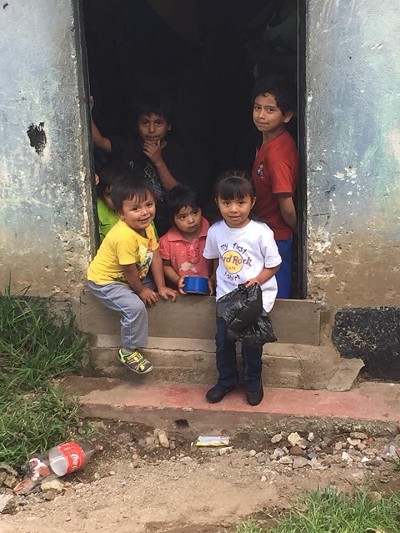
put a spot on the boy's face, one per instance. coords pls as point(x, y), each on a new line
point(188, 220)
point(267, 116)
point(138, 213)
point(152, 127)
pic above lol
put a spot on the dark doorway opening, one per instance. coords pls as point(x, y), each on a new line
point(205, 54)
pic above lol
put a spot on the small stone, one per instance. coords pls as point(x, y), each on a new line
point(150, 442)
point(263, 479)
point(277, 438)
point(312, 455)
point(286, 460)
point(186, 460)
point(346, 457)
point(261, 458)
point(53, 485)
point(49, 495)
point(294, 438)
point(339, 446)
point(361, 447)
point(252, 453)
point(377, 461)
point(277, 454)
point(358, 435)
point(163, 439)
point(374, 496)
point(353, 442)
point(7, 503)
point(316, 465)
point(311, 437)
point(300, 462)
point(69, 491)
point(156, 432)
point(226, 450)
point(97, 475)
point(296, 450)
point(111, 473)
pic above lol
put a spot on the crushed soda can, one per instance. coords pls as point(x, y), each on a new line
point(212, 440)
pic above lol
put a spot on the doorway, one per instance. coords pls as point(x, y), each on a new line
point(205, 54)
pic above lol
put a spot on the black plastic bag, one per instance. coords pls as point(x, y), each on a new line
point(257, 334)
point(241, 307)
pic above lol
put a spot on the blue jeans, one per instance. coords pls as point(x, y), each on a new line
point(134, 319)
point(284, 274)
point(226, 361)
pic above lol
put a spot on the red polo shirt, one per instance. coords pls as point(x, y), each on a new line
point(274, 174)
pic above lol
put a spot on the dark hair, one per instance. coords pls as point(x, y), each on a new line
point(234, 184)
point(129, 187)
point(280, 87)
point(153, 102)
point(181, 196)
point(114, 171)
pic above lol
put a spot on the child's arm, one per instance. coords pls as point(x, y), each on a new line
point(288, 211)
point(147, 295)
point(173, 276)
point(265, 275)
point(98, 139)
point(158, 276)
point(153, 152)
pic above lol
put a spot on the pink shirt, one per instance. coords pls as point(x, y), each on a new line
point(186, 257)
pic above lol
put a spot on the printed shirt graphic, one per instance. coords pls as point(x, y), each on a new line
point(242, 254)
point(122, 246)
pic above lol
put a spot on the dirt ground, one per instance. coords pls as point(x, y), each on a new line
point(136, 486)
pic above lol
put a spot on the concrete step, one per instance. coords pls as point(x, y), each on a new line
point(193, 317)
point(371, 407)
point(192, 361)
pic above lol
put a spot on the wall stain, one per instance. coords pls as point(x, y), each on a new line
point(37, 137)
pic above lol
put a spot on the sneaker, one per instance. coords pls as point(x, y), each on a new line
point(135, 362)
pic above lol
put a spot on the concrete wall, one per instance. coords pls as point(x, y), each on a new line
point(46, 209)
point(353, 151)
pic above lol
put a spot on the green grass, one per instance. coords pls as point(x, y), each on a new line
point(331, 512)
point(36, 345)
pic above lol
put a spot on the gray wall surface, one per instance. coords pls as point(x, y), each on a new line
point(353, 151)
point(46, 208)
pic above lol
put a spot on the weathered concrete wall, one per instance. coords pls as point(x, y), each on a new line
point(353, 151)
point(46, 209)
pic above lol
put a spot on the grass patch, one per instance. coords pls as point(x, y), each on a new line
point(331, 512)
point(36, 345)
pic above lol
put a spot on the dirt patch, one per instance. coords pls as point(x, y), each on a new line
point(137, 486)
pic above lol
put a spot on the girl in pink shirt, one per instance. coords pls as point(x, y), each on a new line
point(181, 248)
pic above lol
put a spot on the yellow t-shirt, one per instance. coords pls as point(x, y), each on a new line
point(122, 246)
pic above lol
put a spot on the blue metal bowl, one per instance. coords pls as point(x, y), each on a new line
point(196, 285)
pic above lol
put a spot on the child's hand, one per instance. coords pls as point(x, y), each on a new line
point(210, 287)
point(252, 282)
point(153, 151)
point(181, 285)
point(166, 292)
point(148, 296)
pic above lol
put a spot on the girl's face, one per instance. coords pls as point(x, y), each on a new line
point(236, 211)
point(188, 220)
point(152, 127)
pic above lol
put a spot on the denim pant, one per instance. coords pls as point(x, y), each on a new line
point(134, 319)
point(284, 274)
point(226, 361)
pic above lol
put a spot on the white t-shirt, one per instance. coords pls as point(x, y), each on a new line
point(242, 254)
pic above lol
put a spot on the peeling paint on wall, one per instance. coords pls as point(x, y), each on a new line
point(353, 151)
point(46, 207)
point(37, 137)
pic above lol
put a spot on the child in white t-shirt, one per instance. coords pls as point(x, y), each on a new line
point(246, 253)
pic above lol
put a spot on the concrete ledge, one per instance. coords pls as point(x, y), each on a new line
point(192, 316)
point(193, 361)
point(371, 407)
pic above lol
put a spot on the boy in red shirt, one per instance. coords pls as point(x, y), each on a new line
point(275, 169)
